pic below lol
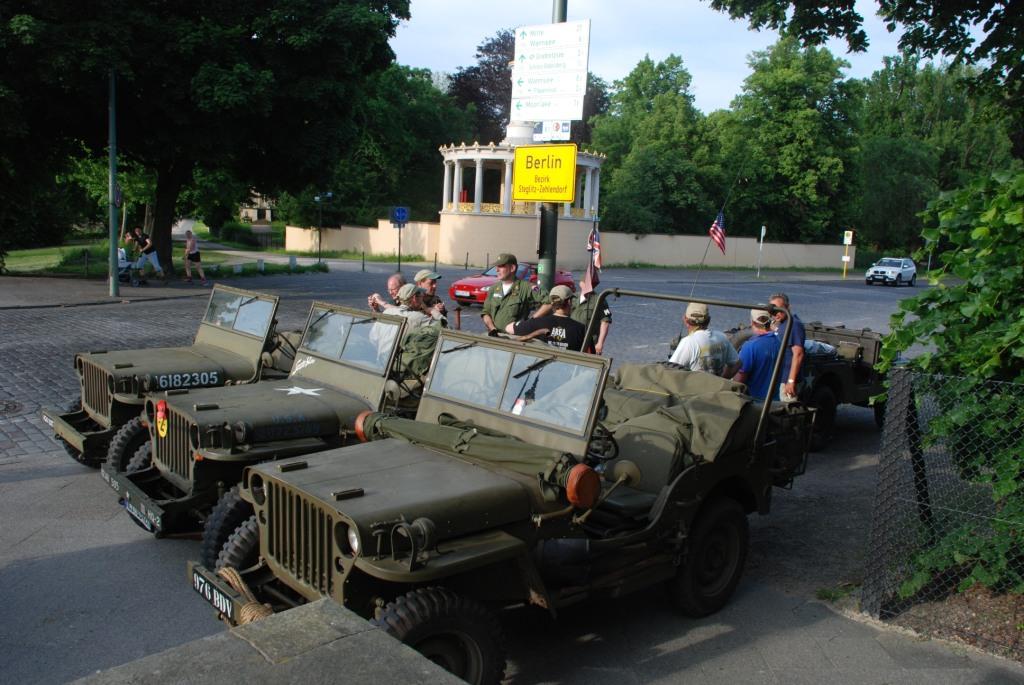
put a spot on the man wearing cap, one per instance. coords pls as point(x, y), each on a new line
point(510, 299)
point(757, 358)
point(704, 349)
point(427, 281)
point(582, 310)
point(410, 305)
point(556, 328)
point(789, 383)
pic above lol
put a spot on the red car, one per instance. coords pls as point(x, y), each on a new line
point(473, 289)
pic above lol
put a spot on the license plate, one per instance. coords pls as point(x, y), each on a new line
point(138, 515)
point(47, 420)
point(212, 594)
point(462, 293)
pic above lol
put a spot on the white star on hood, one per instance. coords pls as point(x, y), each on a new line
point(296, 390)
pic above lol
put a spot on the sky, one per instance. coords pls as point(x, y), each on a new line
point(442, 35)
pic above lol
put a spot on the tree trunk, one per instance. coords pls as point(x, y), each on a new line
point(170, 177)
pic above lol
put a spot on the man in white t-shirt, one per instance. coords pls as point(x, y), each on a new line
point(704, 349)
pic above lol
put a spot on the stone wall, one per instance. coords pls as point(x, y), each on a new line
point(473, 237)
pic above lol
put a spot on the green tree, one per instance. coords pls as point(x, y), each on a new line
point(928, 27)
point(897, 180)
point(264, 89)
point(793, 137)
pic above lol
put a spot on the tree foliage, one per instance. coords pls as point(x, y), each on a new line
point(972, 332)
point(263, 89)
point(929, 27)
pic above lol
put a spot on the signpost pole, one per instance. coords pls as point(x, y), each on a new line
point(760, 249)
point(547, 252)
point(112, 188)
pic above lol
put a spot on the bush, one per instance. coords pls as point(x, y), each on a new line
point(237, 232)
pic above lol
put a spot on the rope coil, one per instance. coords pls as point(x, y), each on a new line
point(252, 610)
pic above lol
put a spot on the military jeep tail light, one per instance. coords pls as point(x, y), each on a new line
point(150, 413)
point(259, 493)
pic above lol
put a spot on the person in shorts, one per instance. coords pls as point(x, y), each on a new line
point(192, 257)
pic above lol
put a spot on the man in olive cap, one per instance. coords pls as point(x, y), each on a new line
point(510, 299)
point(556, 328)
point(704, 349)
point(427, 281)
point(757, 358)
point(410, 305)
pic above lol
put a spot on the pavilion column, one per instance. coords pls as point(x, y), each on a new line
point(506, 197)
point(457, 188)
point(596, 197)
point(579, 190)
point(588, 193)
point(478, 184)
point(447, 195)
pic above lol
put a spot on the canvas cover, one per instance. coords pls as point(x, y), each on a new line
point(664, 418)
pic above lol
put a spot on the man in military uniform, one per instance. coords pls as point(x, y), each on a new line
point(510, 299)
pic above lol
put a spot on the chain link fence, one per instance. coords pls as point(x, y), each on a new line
point(947, 536)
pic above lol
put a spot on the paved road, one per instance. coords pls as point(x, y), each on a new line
point(83, 588)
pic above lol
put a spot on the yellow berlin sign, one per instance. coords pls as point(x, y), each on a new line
point(545, 173)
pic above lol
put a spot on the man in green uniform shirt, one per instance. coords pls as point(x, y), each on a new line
point(510, 299)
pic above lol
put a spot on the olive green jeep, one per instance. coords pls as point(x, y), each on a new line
point(236, 343)
point(529, 476)
point(186, 475)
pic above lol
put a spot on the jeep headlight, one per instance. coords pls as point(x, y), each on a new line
point(353, 540)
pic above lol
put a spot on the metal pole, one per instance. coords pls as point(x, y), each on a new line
point(760, 248)
point(399, 249)
point(112, 186)
point(547, 252)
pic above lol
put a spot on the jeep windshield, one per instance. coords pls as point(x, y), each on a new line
point(240, 312)
point(364, 341)
point(535, 385)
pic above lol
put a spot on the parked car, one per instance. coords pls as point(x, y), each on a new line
point(473, 289)
point(892, 271)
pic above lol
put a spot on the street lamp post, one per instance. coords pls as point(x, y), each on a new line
point(320, 200)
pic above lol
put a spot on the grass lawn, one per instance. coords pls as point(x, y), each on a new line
point(70, 260)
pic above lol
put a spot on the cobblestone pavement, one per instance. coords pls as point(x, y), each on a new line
point(78, 579)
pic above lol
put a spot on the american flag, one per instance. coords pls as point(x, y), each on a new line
point(594, 246)
point(717, 231)
point(591, 277)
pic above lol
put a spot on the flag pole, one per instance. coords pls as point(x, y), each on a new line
point(721, 211)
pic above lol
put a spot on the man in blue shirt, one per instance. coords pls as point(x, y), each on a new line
point(790, 381)
point(757, 357)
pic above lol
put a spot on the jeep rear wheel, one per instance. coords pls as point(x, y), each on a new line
point(457, 633)
point(142, 459)
point(230, 512)
point(125, 442)
point(242, 550)
point(824, 400)
point(714, 561)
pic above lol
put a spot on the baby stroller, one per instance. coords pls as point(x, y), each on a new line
point(124, 267)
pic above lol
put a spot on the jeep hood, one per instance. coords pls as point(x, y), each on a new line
point(171, 360)
point(274, 410)
point(385, 480)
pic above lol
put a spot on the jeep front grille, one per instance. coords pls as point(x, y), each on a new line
point(173, 452)
point(95, 391)
point(299, 534)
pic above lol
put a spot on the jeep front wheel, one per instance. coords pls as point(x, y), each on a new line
point(242, 550)
point(126, 440)
point(714, 560)
point(455, 632)
point(142, 459)
point(230, 512)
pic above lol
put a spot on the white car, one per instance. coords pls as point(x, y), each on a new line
point(892, 271)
